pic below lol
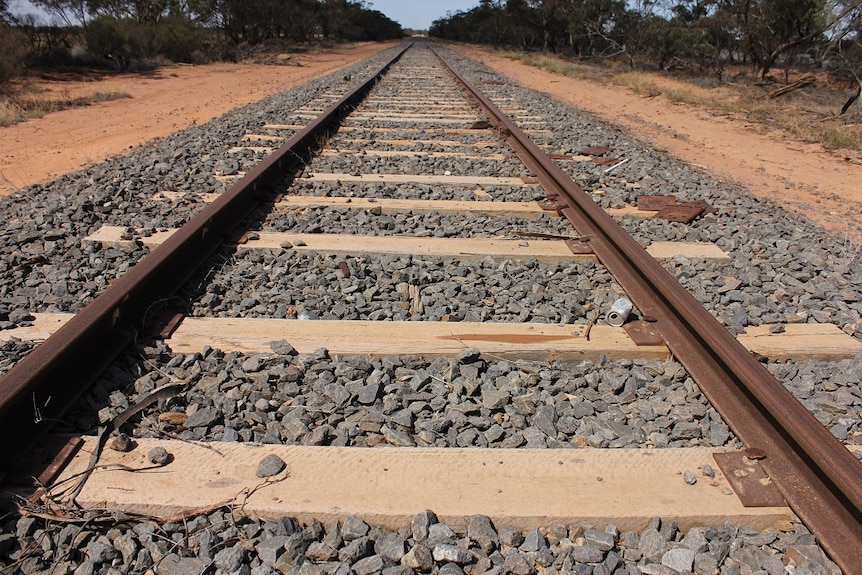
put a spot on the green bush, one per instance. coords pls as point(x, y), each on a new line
point(178, 41)
point(126, 41)
point(107, 37)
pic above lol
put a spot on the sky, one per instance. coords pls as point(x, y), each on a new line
point(418, 14)
point(415, 14)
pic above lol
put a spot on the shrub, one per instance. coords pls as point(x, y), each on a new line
point(178, 41)
point(107, 37)
point(13, 53)
point(127, 41)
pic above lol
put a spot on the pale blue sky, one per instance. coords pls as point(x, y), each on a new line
point(416, 14)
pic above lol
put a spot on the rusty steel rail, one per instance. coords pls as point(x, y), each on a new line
point(820, 479)
point(43, 384)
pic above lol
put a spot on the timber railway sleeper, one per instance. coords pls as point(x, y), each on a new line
point(125, 312)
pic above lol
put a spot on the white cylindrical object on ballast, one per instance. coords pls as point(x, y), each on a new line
point(619, 312)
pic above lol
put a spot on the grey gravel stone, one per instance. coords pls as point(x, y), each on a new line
point(270, 466)
point(203, 417)
point(480, 530)
point(390, 547)
point(601, 540)
point(368, 565)
point(159, 456)
point(418, 558)
point(470, 355)
point(440, 533)
point(398, 438)
point(494, 399)
point(445, 553)
point(230, 558)
point(510, 536)
point(652, 544)
point(127, 547)
point(353, 528)
point(533, 541)
point(356, 549)
point(282, 347)
point(270, 549)
point(320, 551)
point(680, 559)
point(518, 565)
point(421, 524)
point(295, 547)
point(451, 569)
point(587, 554)
point(173, 564)
point(88, 568)
point(100, 552)
point(287, 526)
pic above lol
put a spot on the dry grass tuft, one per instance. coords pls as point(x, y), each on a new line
point(26, 103)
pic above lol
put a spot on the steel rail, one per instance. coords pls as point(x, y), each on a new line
point(820, 479)
point(40, 387)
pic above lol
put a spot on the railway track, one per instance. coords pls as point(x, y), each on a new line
point(260, 363)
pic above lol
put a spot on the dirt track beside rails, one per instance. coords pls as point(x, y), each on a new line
point(162, 102)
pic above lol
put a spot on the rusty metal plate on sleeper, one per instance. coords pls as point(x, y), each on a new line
point(560, 156)
point(580, 247)
point(679, 213)
point(643, 332)
point(550, 206)
point(707, 209)
point(655, 203)
point(604, 161)
point(749, 481)
point(68, 447)
point(170, 325)
point(241, 238)
point(596, 151)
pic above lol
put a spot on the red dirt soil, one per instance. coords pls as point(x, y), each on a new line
point(162, 102)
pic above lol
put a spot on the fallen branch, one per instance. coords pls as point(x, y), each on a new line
point(802, 82)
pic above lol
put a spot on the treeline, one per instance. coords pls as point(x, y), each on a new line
point(121, 32)
point(704, 36)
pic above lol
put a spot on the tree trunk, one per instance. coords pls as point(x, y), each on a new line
point(852, 98)
point(767, 64)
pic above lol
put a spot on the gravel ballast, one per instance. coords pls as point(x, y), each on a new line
point(783, 269)
point(229, 542)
